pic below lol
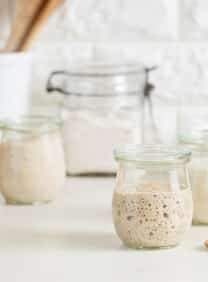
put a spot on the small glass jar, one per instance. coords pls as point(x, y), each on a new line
point(32, 168)
point(192, 117)
point(197, 142)
point(152, 201)
point(102, 107)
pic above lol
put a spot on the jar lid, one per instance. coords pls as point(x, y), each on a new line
point(99, 79)
point(31, 124)
point(153, 155)
point(105, 69)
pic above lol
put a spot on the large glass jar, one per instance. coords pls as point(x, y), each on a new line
point(102, 107)
point(197, 142)
point(152, 201)
point(32, 168)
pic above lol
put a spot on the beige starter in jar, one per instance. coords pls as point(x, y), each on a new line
point(152, 202)
point(198, 167)
point(32, 168)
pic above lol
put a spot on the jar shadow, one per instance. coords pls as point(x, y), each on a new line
point(50, 239)
point(201, 249)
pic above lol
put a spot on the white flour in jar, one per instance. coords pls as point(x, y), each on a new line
point(89, 141)
point(152, 219)
point(32, 168)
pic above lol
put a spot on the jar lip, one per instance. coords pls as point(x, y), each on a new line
point(197, 141)
point(101, 69)
point(152, 154)
point(32, 124)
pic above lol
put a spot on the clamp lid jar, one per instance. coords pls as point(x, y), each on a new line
point(102, 107)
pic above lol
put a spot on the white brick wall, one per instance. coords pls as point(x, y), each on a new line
point(120, 20)
point(170, 33)
point(123, 20)
point(128, 21)
point(194, 20)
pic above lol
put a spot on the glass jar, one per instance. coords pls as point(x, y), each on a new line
point(152, 201)
point(192, 117)
point(32, 168)
point(197, 142)
point(102, 107)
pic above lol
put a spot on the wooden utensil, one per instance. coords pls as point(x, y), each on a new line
point(39, 21)
point(25, 12)
point(29, 18)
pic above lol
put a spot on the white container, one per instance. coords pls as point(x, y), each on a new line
point(15, 82)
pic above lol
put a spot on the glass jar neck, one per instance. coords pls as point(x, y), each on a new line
point(197, 141)
point(152, 156)
point(31, 124)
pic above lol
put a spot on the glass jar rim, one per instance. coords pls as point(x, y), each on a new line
point(196, 142)
point(102, 69)
point(31, 124)
point(152, 154)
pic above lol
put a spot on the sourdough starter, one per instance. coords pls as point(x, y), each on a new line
point(199, 184)
point(152, 219)
point(32, 168)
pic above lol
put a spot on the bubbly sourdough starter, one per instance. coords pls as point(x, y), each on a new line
point(148, 219)
point(32, 168)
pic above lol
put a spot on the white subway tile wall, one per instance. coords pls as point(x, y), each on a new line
point(128, 20)
point(172, 34)
point(117, 20)
point(194, 20)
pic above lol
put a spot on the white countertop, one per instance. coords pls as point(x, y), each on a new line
point(74, 240)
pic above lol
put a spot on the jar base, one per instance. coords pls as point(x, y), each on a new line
point(23, 203)
point(199, 223)
point(129, 246)
point(91, 174)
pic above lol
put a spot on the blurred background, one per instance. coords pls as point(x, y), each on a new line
point(171, 35)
